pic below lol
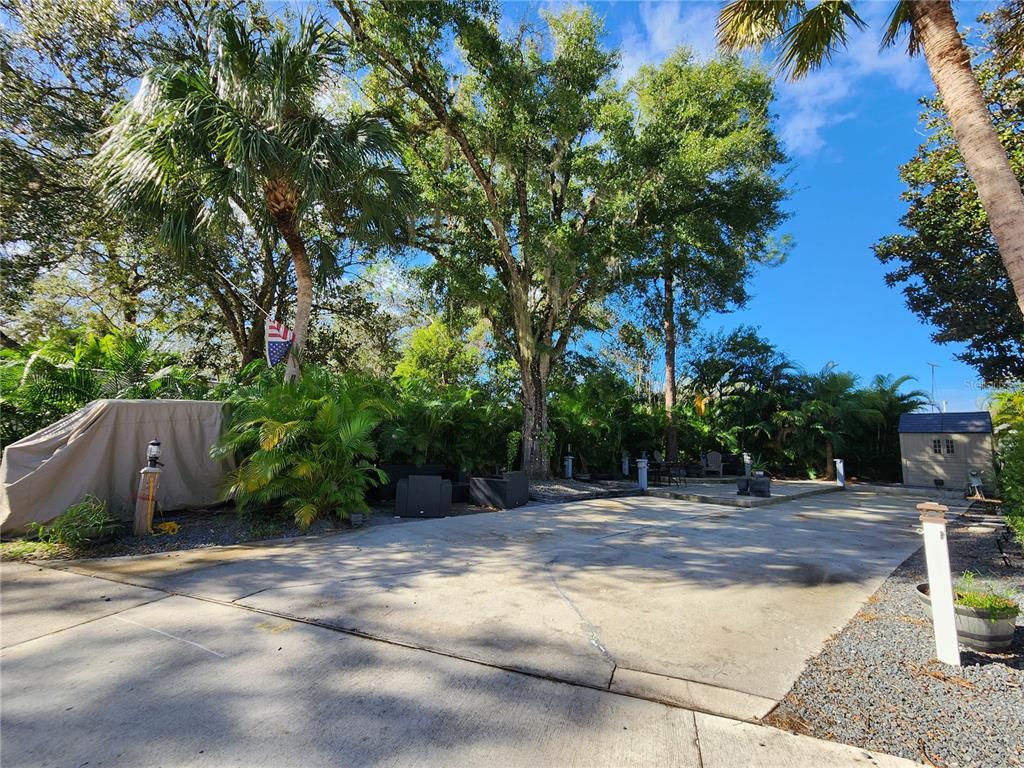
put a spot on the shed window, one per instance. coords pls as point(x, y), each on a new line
point(949, 446)
point(937, 446)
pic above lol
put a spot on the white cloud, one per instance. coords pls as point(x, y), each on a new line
point(807, 108)
point(664, 26)
point(828, 96)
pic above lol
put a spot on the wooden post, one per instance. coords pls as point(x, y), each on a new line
point(145, 502)
point(940, 584)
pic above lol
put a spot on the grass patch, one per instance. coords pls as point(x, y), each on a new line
point(1000, 604)
point(31, 549)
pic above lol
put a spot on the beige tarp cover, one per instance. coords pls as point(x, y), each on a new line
point(101, 448)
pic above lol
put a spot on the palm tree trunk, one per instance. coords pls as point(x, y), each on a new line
point(830, 466)
point(283, 203)
point(303, 299)
point(998, 189)
point(669, 326)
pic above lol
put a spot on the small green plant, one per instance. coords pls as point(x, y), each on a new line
point(29, 549)
point(757, 464)
point(80, 524)
point(1000, 604)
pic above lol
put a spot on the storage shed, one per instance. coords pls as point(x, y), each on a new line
point(945, 447)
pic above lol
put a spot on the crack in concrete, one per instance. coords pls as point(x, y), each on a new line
point(589, 628)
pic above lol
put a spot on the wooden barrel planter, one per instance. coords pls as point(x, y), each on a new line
point(974, 627)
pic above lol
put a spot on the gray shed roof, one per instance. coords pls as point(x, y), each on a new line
point(956, 423)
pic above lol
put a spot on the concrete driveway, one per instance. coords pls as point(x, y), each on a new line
point(497, 638)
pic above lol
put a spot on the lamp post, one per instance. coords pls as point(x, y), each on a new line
point(149, 482)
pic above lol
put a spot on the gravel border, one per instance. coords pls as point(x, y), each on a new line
point(877, 684)
point(558, 490)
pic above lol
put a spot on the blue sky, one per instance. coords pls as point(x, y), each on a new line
point(847, 129)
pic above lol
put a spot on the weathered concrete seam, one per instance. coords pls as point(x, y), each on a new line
point(409, 646)
point(87, 621)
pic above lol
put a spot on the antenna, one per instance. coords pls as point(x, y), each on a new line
point(933, 367)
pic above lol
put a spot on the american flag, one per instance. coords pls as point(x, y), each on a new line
point(279, 341)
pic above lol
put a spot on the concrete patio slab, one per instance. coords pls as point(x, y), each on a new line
point(37, 601)
point(719, 492)
point(186, 682)
point(729, 744)
point(691, 695)
point(731, 598)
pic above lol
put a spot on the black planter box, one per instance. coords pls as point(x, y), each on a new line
point(423, 496)
point(761, 486)
point(396, 472)
point(510, 490)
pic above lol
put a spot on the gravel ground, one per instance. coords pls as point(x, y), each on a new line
point(560, 489)
point(878, 685)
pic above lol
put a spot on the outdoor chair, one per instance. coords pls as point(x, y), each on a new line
point(712, 461)
point(511, 489)
point(423, 496)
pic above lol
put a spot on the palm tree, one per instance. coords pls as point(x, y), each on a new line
point(884, 396)
point(246, 133)
point(832, 410)
point(809, 35)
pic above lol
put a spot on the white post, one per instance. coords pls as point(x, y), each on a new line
point(568, 467)
point(641, 473)
point(940, 584)
point(840, 473)
point(747, 464)
point(625, 464)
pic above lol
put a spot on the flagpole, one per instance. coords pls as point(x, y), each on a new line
point(243, 293)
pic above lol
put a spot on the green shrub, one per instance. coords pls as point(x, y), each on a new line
point(304, 445)
point(1008, 420)
point(1000, 604)
point(80, 524)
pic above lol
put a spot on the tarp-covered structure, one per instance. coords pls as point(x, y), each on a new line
point(100, 449)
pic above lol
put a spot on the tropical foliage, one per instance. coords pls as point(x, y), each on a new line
point(487, 259)
point(305, 445)
point(43, 382)
point(240, 133)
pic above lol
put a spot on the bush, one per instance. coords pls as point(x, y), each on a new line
point(305, 446)
point(1008, 420)
point(80, 524)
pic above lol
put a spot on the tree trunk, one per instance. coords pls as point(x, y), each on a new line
point(830, 467)
point(283, 204)
point(303, 300)
point(534, 375)
point(998, 189)
point(669, 325)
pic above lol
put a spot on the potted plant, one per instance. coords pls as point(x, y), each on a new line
point(758, 484)
point(985, 617)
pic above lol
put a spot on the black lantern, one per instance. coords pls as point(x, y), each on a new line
point(153, 453)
